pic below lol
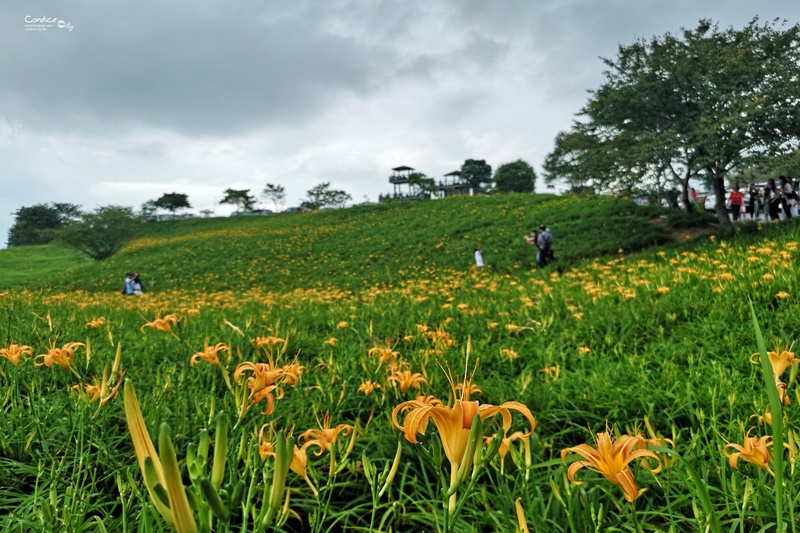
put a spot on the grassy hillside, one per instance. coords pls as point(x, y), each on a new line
point(348, 248)
point(643, 345)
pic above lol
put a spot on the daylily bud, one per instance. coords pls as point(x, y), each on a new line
point(220, 451)
point(213, 500)
point(393, 471)
point(178, 502)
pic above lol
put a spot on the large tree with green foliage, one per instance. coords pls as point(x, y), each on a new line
point(420, 183)
point(518, 176)
point(241, 198)
point(172, 202)
point(476, 172)
point(704, 104)
point(276, 193)
point(323, 196)
point(37, 224)
point(100, 234)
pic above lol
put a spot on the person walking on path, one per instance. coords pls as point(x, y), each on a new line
point(545, 242)
point(772, 197)
point(736, 200)
point(752, 206)
point(533, 240)
point(788, 196)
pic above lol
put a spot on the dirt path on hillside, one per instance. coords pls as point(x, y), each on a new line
point(682, 234)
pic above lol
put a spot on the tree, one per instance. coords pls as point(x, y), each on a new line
point(239, 198)
point(323, 196)
point(476, 172)
point(276, 193)
point(704, 105)
point(100, 234)
point(420, 183)
point(36, 224)
point(149, 208)
point(172, 202)
point(515, 177)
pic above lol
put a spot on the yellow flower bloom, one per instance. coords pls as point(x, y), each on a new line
point(326, 436)
point(14, 352)
point(454, 422)
point(95, 323)
point(754, 451)
point(780, 360)
point(209, 353)
point(583, 350)
point(368, 387)
point(406, 379)
point(93, 390)
point(662, 290)
point(509, 354)
point(162, 324)
point(331, 341)
point(553, 371)
point(782, 295)
point(269, 341)
point(262, 384)
point(342, 324)
point(60, 356)
point(471, 388)
point(384, 353)
point(611, 459)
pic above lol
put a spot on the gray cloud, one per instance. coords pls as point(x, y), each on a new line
point(146, 98)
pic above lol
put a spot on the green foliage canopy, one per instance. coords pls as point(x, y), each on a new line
point(275, 193)
point(518, 176)
point(476, 172)
point(702, 104)
point(240, 198)
point(100, 234)
point(172, 202)
point(36, 224)
point(323, 196)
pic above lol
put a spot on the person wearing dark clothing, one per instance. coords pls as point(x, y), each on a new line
point(545, 243)
point(772, 197)
point(752, 206)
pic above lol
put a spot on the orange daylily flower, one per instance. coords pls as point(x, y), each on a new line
point(262, 384)
point(384, 353)
point(92, 389)
point(405, 379)
point(14, 352)
point(368, 387)
point(299, 464)
point(209, 353)
point(780, 359)
point(611, 459)
point(95, 323)
point(164, 324)
point(269, 341)
point(454, 422)
point(471, 388)
point(755, 450)
point(60, 356)
point(326, 435)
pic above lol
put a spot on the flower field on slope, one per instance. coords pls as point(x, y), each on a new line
point(315, 388)
point(354, 248)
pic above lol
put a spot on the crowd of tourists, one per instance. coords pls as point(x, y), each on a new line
point(773, 201)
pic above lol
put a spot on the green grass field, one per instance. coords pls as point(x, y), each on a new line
point(276, 359)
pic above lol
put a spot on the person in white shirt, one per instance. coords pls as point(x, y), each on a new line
point(478, 257)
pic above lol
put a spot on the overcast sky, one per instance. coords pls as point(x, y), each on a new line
point(130, 100)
